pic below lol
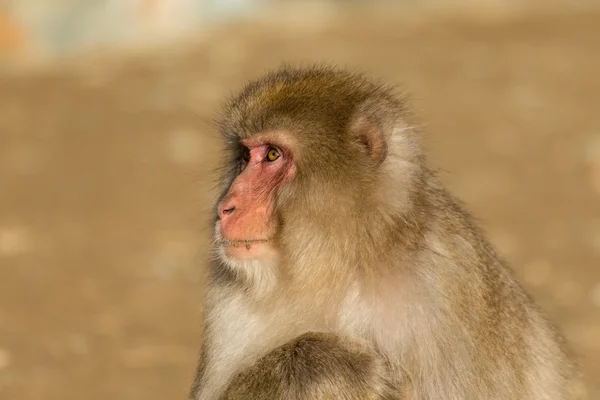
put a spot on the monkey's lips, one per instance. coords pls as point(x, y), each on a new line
point(247, 243)
point(244, 249)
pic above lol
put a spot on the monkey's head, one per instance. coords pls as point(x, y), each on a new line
point(320, 161)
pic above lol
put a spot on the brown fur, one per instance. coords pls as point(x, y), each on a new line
point(322, 366)
point(374, 252)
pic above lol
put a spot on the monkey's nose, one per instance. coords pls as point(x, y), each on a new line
point(226, 208)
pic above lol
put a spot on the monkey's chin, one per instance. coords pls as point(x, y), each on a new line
point(246, 250)
point(258, 263)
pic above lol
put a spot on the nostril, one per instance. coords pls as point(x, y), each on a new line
point(228, 210)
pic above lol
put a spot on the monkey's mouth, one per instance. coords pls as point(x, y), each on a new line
point(241, 243)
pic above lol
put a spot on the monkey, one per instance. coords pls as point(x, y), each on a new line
point(345, 269)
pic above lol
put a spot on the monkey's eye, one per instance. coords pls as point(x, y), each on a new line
point(272, 155)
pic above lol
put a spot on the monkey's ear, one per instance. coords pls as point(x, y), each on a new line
point(369, 135)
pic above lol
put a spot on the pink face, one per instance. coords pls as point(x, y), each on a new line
point(246, 225)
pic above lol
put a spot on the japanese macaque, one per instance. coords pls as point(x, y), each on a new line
point(345, 270)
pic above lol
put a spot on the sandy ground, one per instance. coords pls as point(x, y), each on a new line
point(105, 182)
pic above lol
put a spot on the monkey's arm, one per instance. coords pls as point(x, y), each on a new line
point(315, 366)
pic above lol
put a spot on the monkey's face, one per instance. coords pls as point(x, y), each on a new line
point(245, 229)
point(318, 161)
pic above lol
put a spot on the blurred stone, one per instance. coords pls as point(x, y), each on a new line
point(5, 358)
point(568, 293)
point(595, 295)
point(184, 146)
point(538, 272)
point(225, 57)
point(302, 18)
point(89, 290)
point(525, 95)
point(554, 236)
point(23, 160)
point(595, 241)
point(592, 149)
point(78, 344)
point(586, 335)
point(95, 74)
point(14, 241)
point(108, 324)
point(55, 348)
point(145, 356)
point(503, 141)
point(209, 91)
point(593, 159)
point(174, 258)
point(595, 178)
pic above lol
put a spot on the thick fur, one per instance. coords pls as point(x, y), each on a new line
point(375, 251)
point(323, 366)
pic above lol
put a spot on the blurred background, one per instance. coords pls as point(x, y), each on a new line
point(107, 148)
